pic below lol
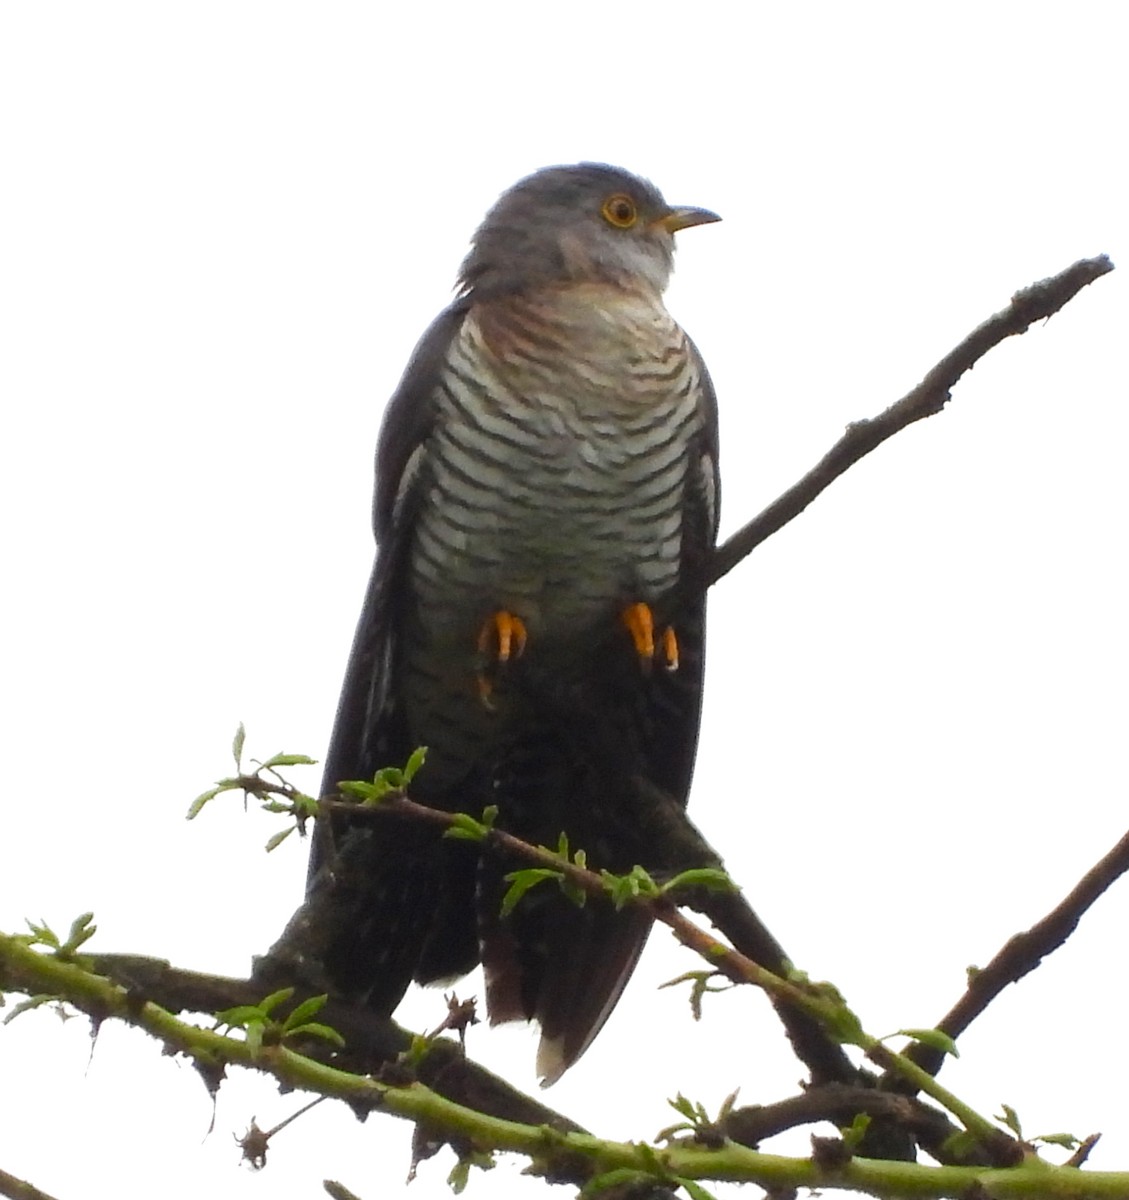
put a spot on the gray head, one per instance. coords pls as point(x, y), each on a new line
point(588, 222)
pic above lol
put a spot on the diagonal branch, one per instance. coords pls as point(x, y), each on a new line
point(20, 1189)
point(1035, 303)
point(678, 846)
point(819, 1003)
point(1025, 951)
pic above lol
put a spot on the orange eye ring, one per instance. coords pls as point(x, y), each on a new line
point(619, 210)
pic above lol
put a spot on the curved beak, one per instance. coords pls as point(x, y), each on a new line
point(684, 218)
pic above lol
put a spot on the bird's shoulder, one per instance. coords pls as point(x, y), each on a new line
point(410, 413)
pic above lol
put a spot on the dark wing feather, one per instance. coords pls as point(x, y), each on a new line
point(363, 734)
point(390, 884)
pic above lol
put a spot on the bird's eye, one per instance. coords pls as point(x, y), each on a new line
point(619, 210)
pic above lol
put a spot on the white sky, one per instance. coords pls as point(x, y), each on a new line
point(222, 228)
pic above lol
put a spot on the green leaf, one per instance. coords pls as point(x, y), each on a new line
point(338, 1191)
point(459, 1176)
point(521, 881)
point(243, 1016)
point(681, 1105)
point(304, 1011)
point(197, 805)
point(42, 935)
point(237, 746)
point(271, 1002)
point(388, 779)
point(672, 1131)
point(360, 790)
point(727, 1104)
point(288, 760)
point(27, 1005)
point(622, 889)
point(712, 879)
point(316, 1029)
point(460, 1172)
point(82, 930)
point(618, 1177)
point(463, 826)
point(415, 760)
point(642, 881)
point(934, 1038)
point(305, 806)
point(1067, 1140)
point(239, 1016)
point(1010, 1118)
point(276, 839)
point(418, 1049)
point(702, 982)
point(856, 1131)
point(254, 1036)
point(236, 783)
point(693, 1189)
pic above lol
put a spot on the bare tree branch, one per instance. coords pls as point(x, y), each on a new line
point(1025, 951)
point(1035, 303)
point(20, 1189)
point(838, 1105)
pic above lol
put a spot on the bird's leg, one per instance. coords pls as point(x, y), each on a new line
point(510, 633)
point(501, 638)
point(640, 624)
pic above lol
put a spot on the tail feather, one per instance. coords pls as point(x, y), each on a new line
point(556, 963)
point(594, 960)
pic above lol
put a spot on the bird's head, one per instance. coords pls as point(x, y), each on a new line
point(583, 223)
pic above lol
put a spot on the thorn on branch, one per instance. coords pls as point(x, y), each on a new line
point(254, 1146)
point(255, 1141)
point(460, 1015)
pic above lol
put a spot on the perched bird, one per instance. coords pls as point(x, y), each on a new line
point(546, 476)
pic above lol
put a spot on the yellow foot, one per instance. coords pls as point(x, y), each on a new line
point(501, 638)
point(640, 624)
point(670, 649)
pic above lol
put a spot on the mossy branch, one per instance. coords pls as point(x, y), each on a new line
point(572, 1157)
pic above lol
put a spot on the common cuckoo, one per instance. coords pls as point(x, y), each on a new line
point(546, 477)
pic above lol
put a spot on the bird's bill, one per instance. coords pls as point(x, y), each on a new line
point(684, 218)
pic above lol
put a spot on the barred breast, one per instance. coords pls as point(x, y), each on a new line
point(559, 460)
point(552, 485)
